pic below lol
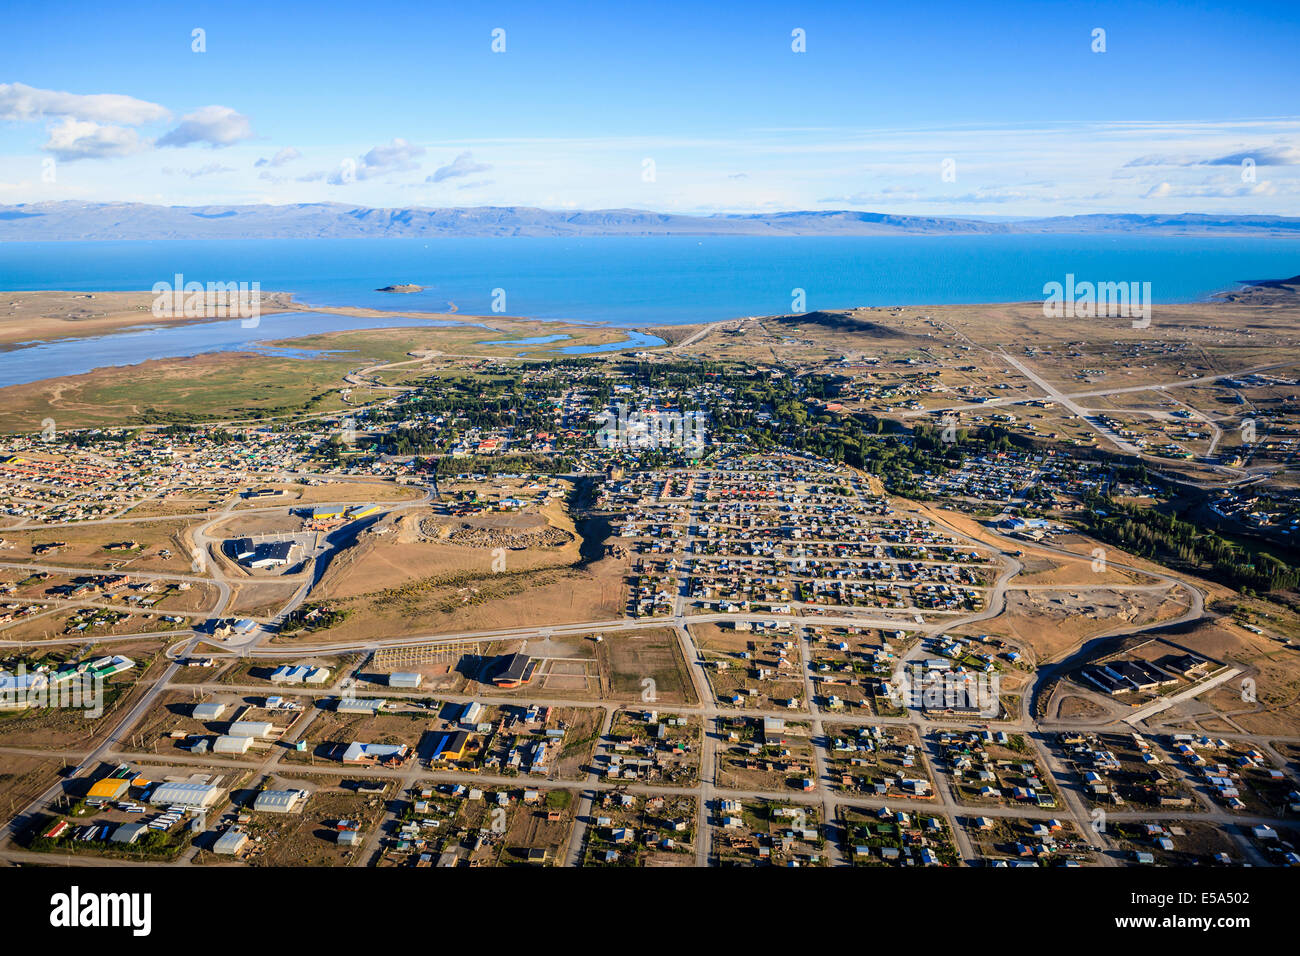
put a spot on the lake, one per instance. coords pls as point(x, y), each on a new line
point(608, 280)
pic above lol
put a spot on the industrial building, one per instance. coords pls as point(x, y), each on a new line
point(106, 667)
point(251, 728)
point(299, 674)
point(226, 744)
point(280, 801)
point(127, 833)
point(360, 705)
point(1120, 676)
point(191, 796)
point(514, 670)
point(268, 554)
point(451, 746)
point(407, 679)
point(211, 710)
point(230, 843)
point(110, 788)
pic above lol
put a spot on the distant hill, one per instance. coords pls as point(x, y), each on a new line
point(85, 220)
point(844, 322)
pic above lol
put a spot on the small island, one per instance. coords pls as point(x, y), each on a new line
point(405, 287)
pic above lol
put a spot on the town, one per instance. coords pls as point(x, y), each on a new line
point(638, 610)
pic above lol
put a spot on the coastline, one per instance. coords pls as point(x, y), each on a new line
point(35, 319)
point(308, 368)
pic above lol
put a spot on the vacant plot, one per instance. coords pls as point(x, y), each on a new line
point(647, 666)
point(24, 777)
point(1049, 623)
point(301, 494)
point(510, 599)
point(88, 546)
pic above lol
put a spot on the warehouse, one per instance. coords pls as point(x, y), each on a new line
point(360, 705)
point(271, 554)
point(106, 667)
point(110, 788)
point(407, 679)
point(298, 674)
point(212, 710)
point(280, 801)
point(251, 728)
point(451, 746)
point(230, 843)
point(191, 796)
point(267, 554)
point(127, 833)
point(514, 671)
point(226, 744)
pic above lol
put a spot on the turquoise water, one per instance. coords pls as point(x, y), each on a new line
point(669, 280)
point(618, 281)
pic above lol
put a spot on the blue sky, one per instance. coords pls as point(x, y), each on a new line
point(997, 109)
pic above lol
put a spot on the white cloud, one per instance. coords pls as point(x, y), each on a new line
point(1263, 156)
point(398, 156)
point(395, 157)
point(18, 101)
point(890, 194)
point(72, 139)
point(462, 165)
point(208, 170)
point(1165, 191)
point(1267, 156)
point(214, 125)
point(286, 155)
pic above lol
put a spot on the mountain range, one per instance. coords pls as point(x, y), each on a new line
point(99, 221)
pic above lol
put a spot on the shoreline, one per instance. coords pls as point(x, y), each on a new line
point(93, 385)
point(127, 313)
point(122, 313)
point(129, 316)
